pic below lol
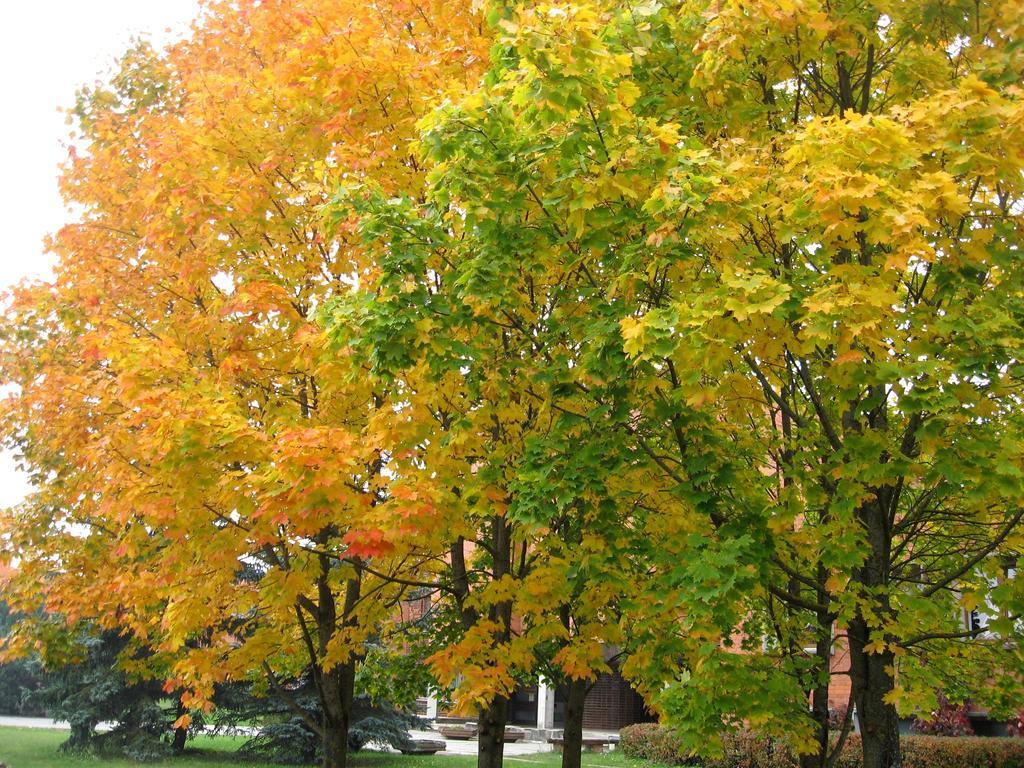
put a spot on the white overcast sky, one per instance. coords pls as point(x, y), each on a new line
point(48, 48)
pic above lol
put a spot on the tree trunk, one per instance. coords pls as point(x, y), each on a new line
point(338, 688)
point(178, 743)
point(180, 734)
point(872, 681)
point(821, 676)
point(336, 685)
point(572, 735)
point(335, 746)
point(491, 736)
point(494, 717)
point(871, 674)
point(819, 712)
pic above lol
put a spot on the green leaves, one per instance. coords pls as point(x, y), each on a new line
point(692, 330)
point(815, 302)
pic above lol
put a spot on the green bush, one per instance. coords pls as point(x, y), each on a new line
point(745, 749)
point(948, 752)
point(650, 741)
point(742, 749)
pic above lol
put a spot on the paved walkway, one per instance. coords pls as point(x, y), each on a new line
point(468, 746)
point(33, 722)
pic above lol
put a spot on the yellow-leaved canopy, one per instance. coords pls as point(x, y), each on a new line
point(202, 467)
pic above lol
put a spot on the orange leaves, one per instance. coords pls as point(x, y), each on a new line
point(311, 480)
point(581, 660)
point(259, 299)
point(482, 666)
point(176, 396)
point(367, 543)
point(198, 699)
point(313, 446)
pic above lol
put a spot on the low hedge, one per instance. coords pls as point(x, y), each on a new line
point(947, 752)
point(744, 749)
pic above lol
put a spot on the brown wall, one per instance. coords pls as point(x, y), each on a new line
point(612, 704)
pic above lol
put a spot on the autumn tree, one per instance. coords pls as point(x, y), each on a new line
point(836, 272)
point(700, 335)
point(455, 442)
point(172, 402)
point(804, 217)
point(504, 352)
point(846, 211)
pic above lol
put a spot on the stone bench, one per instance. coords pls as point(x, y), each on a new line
point(590, 744)
point(466, 731)
point(458, 731)
point(422, 747)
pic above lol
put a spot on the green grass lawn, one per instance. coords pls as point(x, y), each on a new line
point(37, 748)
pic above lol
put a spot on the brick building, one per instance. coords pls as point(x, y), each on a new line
point(611, 704)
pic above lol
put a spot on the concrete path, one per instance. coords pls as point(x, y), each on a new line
point(468, 747)
point(33, 722)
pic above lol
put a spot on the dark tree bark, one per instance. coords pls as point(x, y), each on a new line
point(493, 718)
point(491, 736)
point(871, 673)
point(180, 737)
point(338, 690)
point(572, 735)
point(819, 712)
point(872, 681)
point(180, 734)
point(335, 746)
point(336, 686)
point(821, 674)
